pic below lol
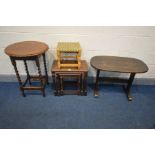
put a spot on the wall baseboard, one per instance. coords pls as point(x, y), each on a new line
point(137, 81)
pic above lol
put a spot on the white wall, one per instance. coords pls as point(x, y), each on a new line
point(137, 42)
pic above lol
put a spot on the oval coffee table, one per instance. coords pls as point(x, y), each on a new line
point(26, 51)
point(120, 65)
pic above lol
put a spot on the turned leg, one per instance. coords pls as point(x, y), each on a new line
point(128, 88)
point(17, 74)
point(96, 93)
point(44, 59)
point(27, 71)
point(40, 76)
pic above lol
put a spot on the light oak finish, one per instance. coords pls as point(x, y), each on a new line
point(68, 51)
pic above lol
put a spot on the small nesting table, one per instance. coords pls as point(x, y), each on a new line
point(26, 51)
point(69, 54)
point(60, 75)
point(120, 65)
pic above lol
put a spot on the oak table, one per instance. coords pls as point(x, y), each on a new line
point(60, 76)
point(120, 65)
point(29, 51)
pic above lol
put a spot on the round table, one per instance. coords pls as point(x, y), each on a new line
point(29, 51)
point(120, 65)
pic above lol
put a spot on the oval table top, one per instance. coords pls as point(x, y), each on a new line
point(118, 64)
point(26, 49)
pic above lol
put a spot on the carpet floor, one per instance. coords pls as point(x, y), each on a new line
point(111, 110)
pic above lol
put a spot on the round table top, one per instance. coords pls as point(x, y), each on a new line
point(26, 49)
point(118, 64)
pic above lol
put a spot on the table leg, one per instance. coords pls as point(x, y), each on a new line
point(40, 76)
point(128, 88)
point(44, 59)
point(82, 84)
point(85, 84)
point(96, 93)
point(61, 85)
point(17, 74)
point(54, 83)
point(27, 71)
point(79, 84)
point(58, 84)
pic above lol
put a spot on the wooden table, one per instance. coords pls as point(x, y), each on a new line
point(26, 51)
point(120, 65)
point(69, 54)
point(59, 76)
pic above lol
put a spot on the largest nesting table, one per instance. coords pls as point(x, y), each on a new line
point(25, 51)
point(120, 65)
point(60, 74)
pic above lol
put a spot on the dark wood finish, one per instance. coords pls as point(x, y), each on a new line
point(40, 76)
point(44, 60)
point(18, 76)
point(29, 51)
point(27, 71)
point(96, 83)
point(118, 64)
point(62, 76)
point(59, 76)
